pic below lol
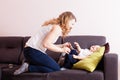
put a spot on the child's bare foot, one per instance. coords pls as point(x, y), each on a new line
point(22, 69)
point(76, 43)
point(77, 46)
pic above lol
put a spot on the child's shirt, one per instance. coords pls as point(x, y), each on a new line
point(84, 53)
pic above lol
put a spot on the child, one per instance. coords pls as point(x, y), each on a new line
point(78, 54)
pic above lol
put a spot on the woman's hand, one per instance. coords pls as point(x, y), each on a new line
point(66, 50)
point(68, 44)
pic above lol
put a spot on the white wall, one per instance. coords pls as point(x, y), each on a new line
point(95, 17)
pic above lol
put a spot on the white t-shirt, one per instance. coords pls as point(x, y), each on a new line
point(36, 40)
point(84, 52)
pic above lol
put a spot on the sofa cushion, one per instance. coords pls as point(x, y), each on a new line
point(91, 62)
point(7, 74)
point(10, 49)
point(55, 55)
point(107, 47)
point(86, 41)
point(76, 75)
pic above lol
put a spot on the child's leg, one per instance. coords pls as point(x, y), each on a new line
point(73, 52)
point(69, 60)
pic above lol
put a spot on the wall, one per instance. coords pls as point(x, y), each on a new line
point(95, 17)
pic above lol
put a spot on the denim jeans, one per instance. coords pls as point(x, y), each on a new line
point(39, 61)
point(69, 60)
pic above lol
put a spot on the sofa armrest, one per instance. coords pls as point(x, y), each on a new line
point(111, 66)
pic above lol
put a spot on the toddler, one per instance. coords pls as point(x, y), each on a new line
point(77, 54)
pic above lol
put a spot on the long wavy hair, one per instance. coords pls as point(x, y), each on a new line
point(62, 21)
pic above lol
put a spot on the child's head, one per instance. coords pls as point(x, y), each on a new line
point(94, 48)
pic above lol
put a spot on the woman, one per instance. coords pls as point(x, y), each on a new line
point(36, 58)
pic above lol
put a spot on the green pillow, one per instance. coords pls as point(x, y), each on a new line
point(90, 63)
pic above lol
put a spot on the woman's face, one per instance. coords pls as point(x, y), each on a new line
point(71, 23)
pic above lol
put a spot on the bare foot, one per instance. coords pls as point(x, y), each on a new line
point(22, 69)
point(77, 46)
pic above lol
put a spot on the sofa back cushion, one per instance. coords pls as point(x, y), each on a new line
point(55, 55)
point(22, 58)
point(10, 49)
point(86, 41)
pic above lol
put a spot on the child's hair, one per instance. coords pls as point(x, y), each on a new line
point(62, 20)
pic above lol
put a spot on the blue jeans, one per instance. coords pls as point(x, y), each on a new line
point(69, 60)
point(39, 61)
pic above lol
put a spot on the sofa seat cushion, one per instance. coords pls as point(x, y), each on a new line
point(76, 75)
point(24, 76)
point(31, 76)
point(0, 74)
point(7, 70)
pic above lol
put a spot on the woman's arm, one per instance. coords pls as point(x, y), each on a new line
point(51, 36)
point(66, 44)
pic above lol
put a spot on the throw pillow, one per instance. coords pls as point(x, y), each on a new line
point(107, 47)
point(90, 63)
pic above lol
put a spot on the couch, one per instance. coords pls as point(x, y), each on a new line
point(11, 57)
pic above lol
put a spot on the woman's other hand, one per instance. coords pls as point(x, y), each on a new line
point(66, 50)
point(68, 44)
